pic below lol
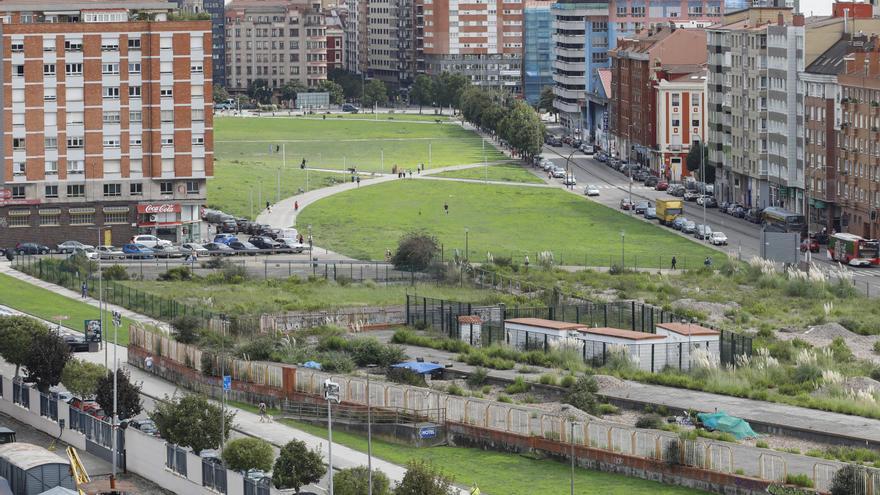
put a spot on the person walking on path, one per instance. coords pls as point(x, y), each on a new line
point(84, 289)
point(269, 207)
point(674, 261)
point(296, 206)
point(446, 207)
point(359, 181)
point(263, 416)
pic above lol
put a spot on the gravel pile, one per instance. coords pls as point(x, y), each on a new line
point(862, 346)
point(715, 312)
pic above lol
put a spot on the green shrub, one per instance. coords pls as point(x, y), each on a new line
point(115, 272)
point(407, 377)
point(799, 480)
point(257, 349)
point(477, 378)
point(243, 454)
point(547, 379)
point(519, 386)
point(567, 381)
point(761, 444)
point(842, 353)
point(877, 347)
point(582, 394)
point(845, 480)
point(608, 409)
point(368, 350)
point(186, 329)
point(455, 389)
point(651, 421)
point(526, 370)
point(336, 362)
point(505, 399)
point(787, 490)
point(176, 274)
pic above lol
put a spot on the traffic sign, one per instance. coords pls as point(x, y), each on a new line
point(427, 432)
point(227, 382)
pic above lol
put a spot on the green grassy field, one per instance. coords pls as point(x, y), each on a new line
point(503, 172)
point(498, 473)
point(502, 220)
point(426, 116)
point(344, 143)
point(45, 304)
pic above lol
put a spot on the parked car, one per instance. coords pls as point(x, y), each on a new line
point(149, 241)
point(225, 238)
point(738, 211)
point(348, 107)
point(135, 251)
point(679, 222)
point(811, 244)
point(110, 253)
point(587, 149)
point(677, 190)
point(625, 204)
point(641, 206)
point(753, 215)
point(689, 227)
point(569, 180)
point(192, 247)
point(691, 195)
point(81, 404)
point(558, 173)
point(641, 176)
point(292, 245)
point(68, 247)
point(145, 425)
point(263, 242)
point(601, 157)
point(718, 239)
point(707, 201)
point(31, 248)
point(89, 253)
point(244, 247)
point(75, 343)
point(219, 249)
point(731, 207)
point(591, 190)
point(168, 252)
point(662, 185)
point(651, 181)
point(651, 213)
point(703, 232)
point(554, 141)
point(95, 410)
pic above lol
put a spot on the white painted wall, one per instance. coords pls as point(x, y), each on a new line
point(32, 416)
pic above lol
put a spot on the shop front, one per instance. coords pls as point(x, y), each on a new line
point(174, 221)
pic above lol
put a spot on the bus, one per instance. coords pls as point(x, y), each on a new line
point(779, 220)
point(854, 250)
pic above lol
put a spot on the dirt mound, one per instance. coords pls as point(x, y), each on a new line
point(856, 383)
point(715, 312)
point(862, 346)
point(607, 382)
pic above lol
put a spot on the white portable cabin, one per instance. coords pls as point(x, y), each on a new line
point(646, 350)
point(31, 469)
point(537, 333)
point(692, 337)
point(470, 329)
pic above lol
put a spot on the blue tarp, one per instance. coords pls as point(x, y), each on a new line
point(420, 368)
point(312, 364)
point(721, 421)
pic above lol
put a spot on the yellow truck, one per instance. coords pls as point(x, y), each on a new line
point(668, 209)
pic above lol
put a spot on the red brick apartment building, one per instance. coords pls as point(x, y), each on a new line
point(107, 121)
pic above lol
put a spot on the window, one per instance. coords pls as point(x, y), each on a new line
point(166, 92)
point(50, 217)
point(48, 69)
point(695, 122)
point(111, 142)
point(73, 69)
point(111, 117)
point(135, 142)
point(110, 45)
point(198, 115)
point(192, 187)
point(17, 46)
point(166, 66)
point(115, 216)
point(18, 70)
point(109, 68)
point(19, 168)
point(166, 188)
point(196, 68)
point(676, 99)
point(134, 116)
point(76, 191)
point(75, 166)
point(112, 190)
point(75, 143)
point(110, 92)
point(166, 115)
point(51, 167)
point(19, 218)
point(49, 94)
point(17, 143)
point(50, 142)
point(136, 189)
point(52, 191)
point(73, 46)
point(82, 218)
point(134, 91)
point(198, 140)
point(134, 67)
point(168, 141)
point(134, 43)
point(18, 192)
point(676, 122)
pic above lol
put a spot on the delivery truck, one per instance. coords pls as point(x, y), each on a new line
point(668, 209)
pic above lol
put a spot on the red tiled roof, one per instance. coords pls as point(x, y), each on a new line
point(620, 333)
point(605, 79)
point(551, 324)
point(688, 329)
point(470, 320)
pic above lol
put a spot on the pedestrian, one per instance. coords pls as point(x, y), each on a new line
point(296, 206)
point(262, 408)
point(302, 165)
point(85, 290)
point(674, 261)
point(410, 174)
point(446, 207)
point(268, 206)
point(359, 180)
point(148, 362)
point(708, 261)
point(300, 239)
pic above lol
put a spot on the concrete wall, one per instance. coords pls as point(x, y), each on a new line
point(32, 416)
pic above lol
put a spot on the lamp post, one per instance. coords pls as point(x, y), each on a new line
point(467, 252)
point(370, 367)
point(622, 249)
point(567, 170)
point(331, 395)
point(224, 321)
point(571, 441)
point(117, 322)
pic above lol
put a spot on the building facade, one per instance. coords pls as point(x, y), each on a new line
point(335, 42)
point(481, 39)
point(277, 41)
point(355, 26)
point(217, 10)
point(107, 122)
point(391, 42)
point(681, 121)
point(537, 64)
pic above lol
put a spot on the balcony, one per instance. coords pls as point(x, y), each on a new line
point(569, 52)
point(569, 66)
point(570, 25)
point(569, 80)
point(571, 94)
point(569, 39)
point(565, 107)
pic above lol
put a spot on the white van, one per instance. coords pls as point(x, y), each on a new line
point(289, 233)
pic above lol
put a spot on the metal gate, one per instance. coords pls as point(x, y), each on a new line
point(257, 487)
point(214, 474)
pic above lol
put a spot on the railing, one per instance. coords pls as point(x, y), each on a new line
point(357, 414)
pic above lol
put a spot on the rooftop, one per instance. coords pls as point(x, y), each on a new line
point(620, 333)
point(77, 5)
point(551, 324)
point(688, 329)
point(470, 320)
point(28, 456)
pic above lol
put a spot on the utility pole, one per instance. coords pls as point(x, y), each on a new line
point(331, 395)
point(117, 322)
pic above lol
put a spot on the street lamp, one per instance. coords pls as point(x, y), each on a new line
point(571, 422)
point(567, 171)
point(117, 322)
point(467, 252)
point(622, 249)
point(370, 367)
point(331, 395)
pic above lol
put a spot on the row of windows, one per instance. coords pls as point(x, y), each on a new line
point(76, 68)
point(78, 142)
point(111, 190)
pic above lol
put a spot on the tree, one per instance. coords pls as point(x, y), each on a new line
point(582, 394)
point(693, 158)
point(296, 466)
point(220, 94)
point(415, 251)
point(335, 90)
point(46, 359)
point(259, 90)
point(356, 481)
point(16, 333)
point(845, 480)
point(186, 329)
point(291, 89)
point(128, 395)
point(422, 91)
point(191, 421)
point(448, 88)
point(545, 102)
point(422, 478)
point(81, 377)
point(375, 93)
point(352, 84)
point(243, 454)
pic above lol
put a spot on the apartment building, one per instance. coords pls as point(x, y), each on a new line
point(217, 10)
point(356, 49)
point(335, 41)
point(537, 65)
point(586, 30)
point(681, 121)
point(107, 121)
point(636, 64)
point(482, 39)
point(275, 40)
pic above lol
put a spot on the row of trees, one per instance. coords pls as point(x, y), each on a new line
point(509, 118)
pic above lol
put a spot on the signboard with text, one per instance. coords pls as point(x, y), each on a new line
point(157, 208)
point(93, 330)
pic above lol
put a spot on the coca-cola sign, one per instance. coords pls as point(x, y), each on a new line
point(155, 208)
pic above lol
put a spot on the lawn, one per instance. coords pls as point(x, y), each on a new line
point(260, 296)
point(499, 473)
point(45, 304)
point(340, 144)
point(427, 116)
point(503, 172)
point(501, 220)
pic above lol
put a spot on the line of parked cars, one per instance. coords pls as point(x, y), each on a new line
point(681, 223)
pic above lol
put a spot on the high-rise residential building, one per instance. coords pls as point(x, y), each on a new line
point(356, 51)
point(217, 10)
point(584, 32)
point(391, 41)
point(637, 64)
point(681, 121)
point(277, 41)
point(537, 64)
point(335, 40)
point(481, 39)
point(107, 121)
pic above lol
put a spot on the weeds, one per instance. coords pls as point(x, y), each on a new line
point(519, 386)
